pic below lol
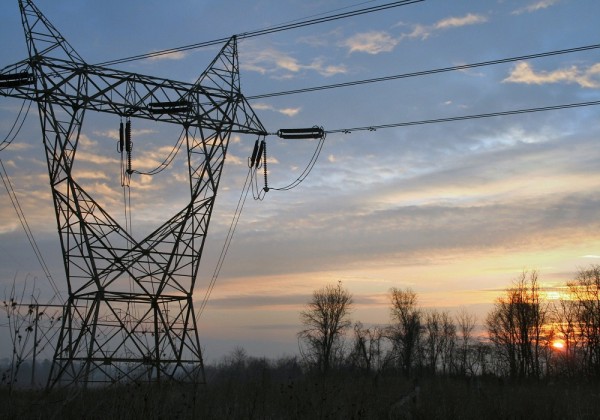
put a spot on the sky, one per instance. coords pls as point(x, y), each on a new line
point(455, 211)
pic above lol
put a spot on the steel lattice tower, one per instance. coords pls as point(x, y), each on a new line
point(129, 314)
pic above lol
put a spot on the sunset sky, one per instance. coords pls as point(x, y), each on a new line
point(454, 210)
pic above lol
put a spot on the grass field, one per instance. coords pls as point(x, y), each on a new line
point(338, 396)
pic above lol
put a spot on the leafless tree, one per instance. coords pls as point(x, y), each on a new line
point(367, 350)
point(325, 320)
point(439, 341)
point(465, 353)
point(516, 324)
point(30, 326)
point(405, 329)
point(586, 291)
point(448, 342)
point(565, 316)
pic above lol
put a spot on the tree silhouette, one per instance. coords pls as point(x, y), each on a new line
point(405, 330)
point(325, 320)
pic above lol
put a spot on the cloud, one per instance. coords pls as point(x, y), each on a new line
point(456, 22)
point(373, 42)
point(587, 78)
point(534, 7)
point(290, 112)
point(425, 31)
point(20, 146)
point(86, 174)
point(95, 158)
point(282, 65)
point(177, 55)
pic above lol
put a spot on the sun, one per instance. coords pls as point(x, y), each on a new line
point(558, 345)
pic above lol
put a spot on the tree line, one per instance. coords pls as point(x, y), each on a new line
point(524, 335)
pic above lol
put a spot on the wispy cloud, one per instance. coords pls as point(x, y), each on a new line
point(177, 55)
point(457, 22)
point(534, 7)
point(271, 61)
point(587, 78)
point(290, 112)
point(425, 31)
point(374, 42)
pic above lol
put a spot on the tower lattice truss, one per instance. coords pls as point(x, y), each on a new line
point(129, 314)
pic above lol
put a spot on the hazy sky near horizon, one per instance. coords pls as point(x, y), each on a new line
point(453, 210)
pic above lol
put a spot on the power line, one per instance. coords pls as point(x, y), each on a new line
point(21, 215)
point(265, 31)
point(227, 244)
point(427, 72)
point(8, 140)
point(464, 117)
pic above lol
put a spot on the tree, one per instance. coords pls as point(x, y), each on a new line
point(586, 291)
point(405, 330)
point(367, 352)
point(565, 316)
point(31, 329)
point(439, 341)
point(515, 326)
point(465, 358)
point(326, 320)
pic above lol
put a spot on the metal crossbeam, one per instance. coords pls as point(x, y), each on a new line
point(130, 313)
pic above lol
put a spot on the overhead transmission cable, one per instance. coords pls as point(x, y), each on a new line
point(307, 170)
point(465, 117)
point(426, 72)
point(265, 31)
point(225, 249)
point(21, 215)
point(167, 160)
point(10, 136)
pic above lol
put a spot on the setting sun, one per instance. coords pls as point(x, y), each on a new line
point(558, 345)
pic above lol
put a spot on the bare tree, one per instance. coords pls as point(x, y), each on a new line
point(367, 352)
point(31, 329)
point(586, 290)
point(448, 343)
point(565, 316)
point(466, 325)
point(432, 342)
point(439, 341)
point(325, 320)
point(405, 330)
point(516, 324)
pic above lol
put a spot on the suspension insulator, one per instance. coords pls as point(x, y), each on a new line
point(301, 133)
point(264, 148)
point(254, 153)
point(177, 107)
point(121, 138)
point(128, 136)
point(128, 145)
point(16, 80)
point(259, 154)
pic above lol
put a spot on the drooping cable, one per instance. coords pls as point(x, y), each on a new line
point(226, 245)
point(265, 31)
point(464, 117)
point(307, 170)
point(10, 136)
point(23, 220)
point(426, 72)
point(167, 160)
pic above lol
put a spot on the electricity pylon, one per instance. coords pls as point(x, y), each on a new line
point(108, 271)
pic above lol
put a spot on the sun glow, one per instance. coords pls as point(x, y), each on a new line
point(558, 345)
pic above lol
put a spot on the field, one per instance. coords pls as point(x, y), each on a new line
point(347, 395)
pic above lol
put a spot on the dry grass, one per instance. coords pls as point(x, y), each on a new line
point(341, 396)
